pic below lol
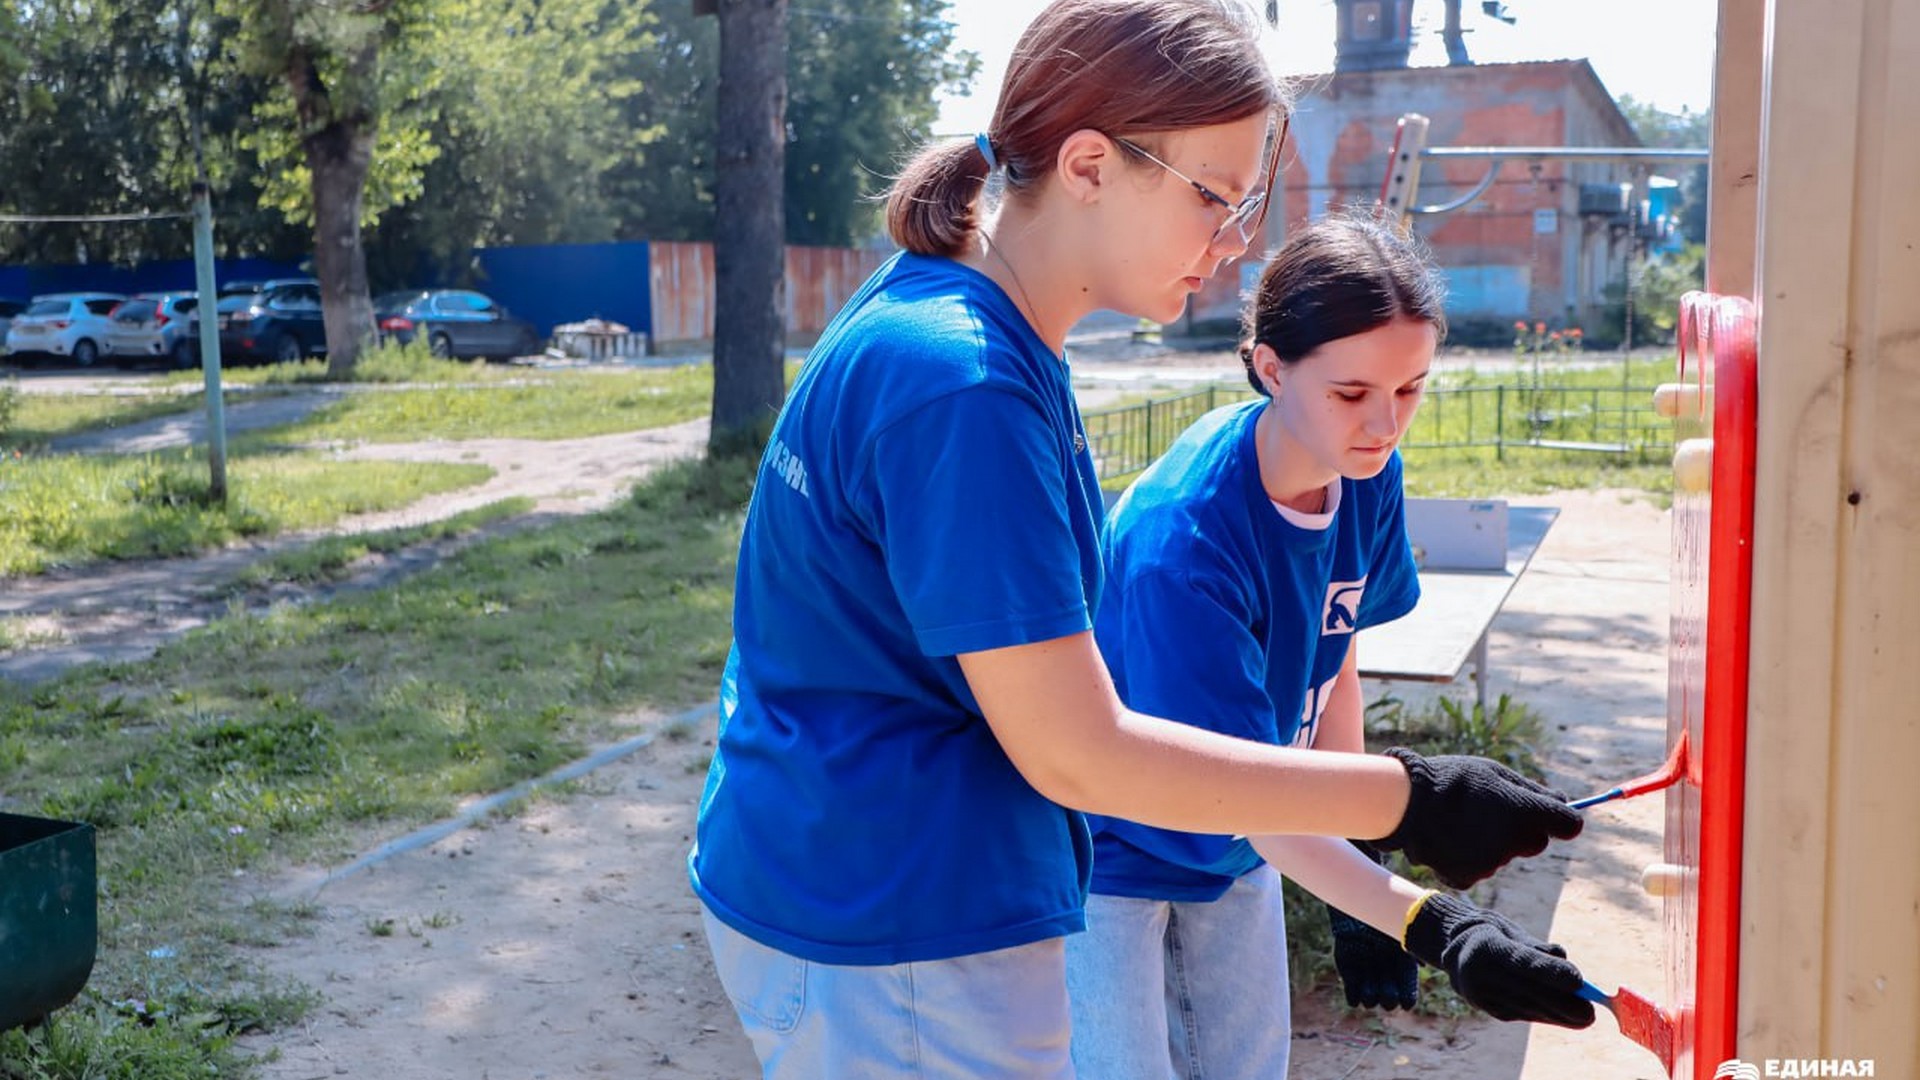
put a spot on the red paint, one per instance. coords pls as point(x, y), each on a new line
point(1713, 576)
point(1644, 1022)
point(1731, 337)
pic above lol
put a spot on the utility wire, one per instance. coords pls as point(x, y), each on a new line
point(43, 219)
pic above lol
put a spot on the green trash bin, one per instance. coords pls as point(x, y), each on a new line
point(49, 915)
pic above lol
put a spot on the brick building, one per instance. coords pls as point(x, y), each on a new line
point(1540, 243)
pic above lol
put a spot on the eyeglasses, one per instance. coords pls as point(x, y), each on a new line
point(1244, 218)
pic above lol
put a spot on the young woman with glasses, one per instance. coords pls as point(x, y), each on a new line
point(1269, 535)
point(891, 845)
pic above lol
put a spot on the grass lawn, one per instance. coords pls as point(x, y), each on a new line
point(70, 510)
point(302, 733)
point(40, 418)
point(306, 732)
point(556, 405)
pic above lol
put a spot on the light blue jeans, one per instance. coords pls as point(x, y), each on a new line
point(1191, 991)
point(996, 1014)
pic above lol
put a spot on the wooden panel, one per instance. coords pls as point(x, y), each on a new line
point(1871, 993)
point(1830, 941)
point(1734, 173)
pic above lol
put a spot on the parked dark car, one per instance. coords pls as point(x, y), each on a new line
point(280, 323)
point(454, 323)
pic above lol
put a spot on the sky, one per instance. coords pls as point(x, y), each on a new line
point(1658, 51)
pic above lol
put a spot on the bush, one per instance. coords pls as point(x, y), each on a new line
point(9, 407)
point(413, 362)
point(384, 362)
point(1479, 331)
point(1509, 734)
point(1657, 290)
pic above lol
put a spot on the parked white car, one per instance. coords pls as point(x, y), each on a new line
point(63, 324)
point(154, 325)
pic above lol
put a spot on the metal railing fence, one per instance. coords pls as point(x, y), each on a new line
point(1617, 420)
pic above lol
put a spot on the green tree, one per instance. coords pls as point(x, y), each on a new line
point(355, 75)
point(527, 120)
point(862, 77)
point(1657, 287)
point(664, 191)
point(93, 124)
point(1684, 130)
point(453, 123)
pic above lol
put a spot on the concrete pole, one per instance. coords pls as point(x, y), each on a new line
point(209, 339)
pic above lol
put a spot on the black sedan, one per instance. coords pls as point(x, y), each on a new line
point(454, 323)
point(280, 321)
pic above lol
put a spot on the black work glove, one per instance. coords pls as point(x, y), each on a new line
point(1497, 966)
point(1468, 816)
point(1374, 970)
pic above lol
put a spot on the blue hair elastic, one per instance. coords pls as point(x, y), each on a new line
point(985, 146)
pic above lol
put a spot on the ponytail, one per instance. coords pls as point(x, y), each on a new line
point(1122, 67)
point(933, 208)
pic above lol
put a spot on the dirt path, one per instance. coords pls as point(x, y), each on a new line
point(123, 611)
point(565, 942)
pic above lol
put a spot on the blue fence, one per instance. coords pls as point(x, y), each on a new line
point(561, 283)
point(162, 276)
point(545, 285)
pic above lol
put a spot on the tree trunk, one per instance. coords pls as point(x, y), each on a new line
point(339, 149)
point(339, 156)
point(749, 250)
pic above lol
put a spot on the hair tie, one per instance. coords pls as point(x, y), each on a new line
point(985, 146)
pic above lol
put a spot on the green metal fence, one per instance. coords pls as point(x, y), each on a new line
point(1580, 419)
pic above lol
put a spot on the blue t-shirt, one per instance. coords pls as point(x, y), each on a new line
point(1223, 613)
point(927, 491)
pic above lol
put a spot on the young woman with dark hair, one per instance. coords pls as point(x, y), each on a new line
point(1240, 567)
point(914, 715)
